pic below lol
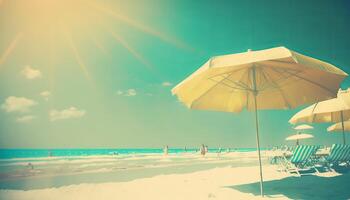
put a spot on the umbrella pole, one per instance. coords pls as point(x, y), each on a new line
point(255, 93)
point(258, 146)
point(342, 125)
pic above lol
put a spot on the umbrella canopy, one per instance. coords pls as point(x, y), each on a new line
point(325, 111)
point(276, 78)
point(303, 127)
point(228, 83)
point(338, 127)
point(333, 110)
point(299, 136)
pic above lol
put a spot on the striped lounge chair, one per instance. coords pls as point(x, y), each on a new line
point(301, 159)
point(340, 153)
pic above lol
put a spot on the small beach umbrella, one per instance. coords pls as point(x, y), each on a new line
point(299, 128)
point(303, 127)
point(276, 78)
point(299, 136)
point(333, 110)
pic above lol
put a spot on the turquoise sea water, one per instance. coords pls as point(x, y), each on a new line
point(38, 153)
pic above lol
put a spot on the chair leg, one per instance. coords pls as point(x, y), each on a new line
point(330, 167)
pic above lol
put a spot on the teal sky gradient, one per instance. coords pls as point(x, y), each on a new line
point(153, 117)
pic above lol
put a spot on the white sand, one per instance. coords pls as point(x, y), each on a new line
point(208, 184)
point(219, 183)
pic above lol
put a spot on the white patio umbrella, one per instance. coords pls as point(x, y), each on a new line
point(338, 127)
point(303, 127)
point(333, 110)
point(299, 136)
point(276, 78)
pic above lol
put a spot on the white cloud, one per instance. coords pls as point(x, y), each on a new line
point(166, 84)
point(68, 113)
point(25, 118)
point(119, 92)
point(31, 73)
point(45, 95)
point(128, 93)
point(18, 104)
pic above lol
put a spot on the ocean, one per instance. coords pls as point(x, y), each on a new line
point(40, 153)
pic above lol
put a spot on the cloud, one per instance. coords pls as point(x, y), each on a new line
point(166, 84)
point(31, 73)
point(128, 93)
point(25, 118)
point(18, 104)
point(68, 113)
point(119, 92)
point(45, 95)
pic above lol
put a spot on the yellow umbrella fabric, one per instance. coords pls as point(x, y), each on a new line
point(275, 78)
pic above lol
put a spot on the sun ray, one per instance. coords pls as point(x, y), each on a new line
point(76, 53)
point(127, 46)
point(99, 45)
point(10, 48)
point(142, 27)
point(135, 53)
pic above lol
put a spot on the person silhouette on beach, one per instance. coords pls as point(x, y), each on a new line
point(202, 150)
point(165, 150)
point(31, 166)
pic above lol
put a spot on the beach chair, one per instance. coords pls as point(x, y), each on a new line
point(339, 153)
point(301, 159)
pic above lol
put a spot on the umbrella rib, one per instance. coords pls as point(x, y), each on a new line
point(317, 84)
point(212, 87)
point(239, 84)
point(230, 86)
point(285, 70)
point(230, 72)
point(265, 85)
point(276, 86)
point(305, 79)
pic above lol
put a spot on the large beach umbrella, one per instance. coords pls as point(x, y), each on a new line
point(276, 78)
point(333, 110)
point(299, 136)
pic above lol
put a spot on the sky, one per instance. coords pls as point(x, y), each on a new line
point(98, 74)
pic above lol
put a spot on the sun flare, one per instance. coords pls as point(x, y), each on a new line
point(66, 24)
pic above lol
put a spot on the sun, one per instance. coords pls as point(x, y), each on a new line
point(44, 22)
